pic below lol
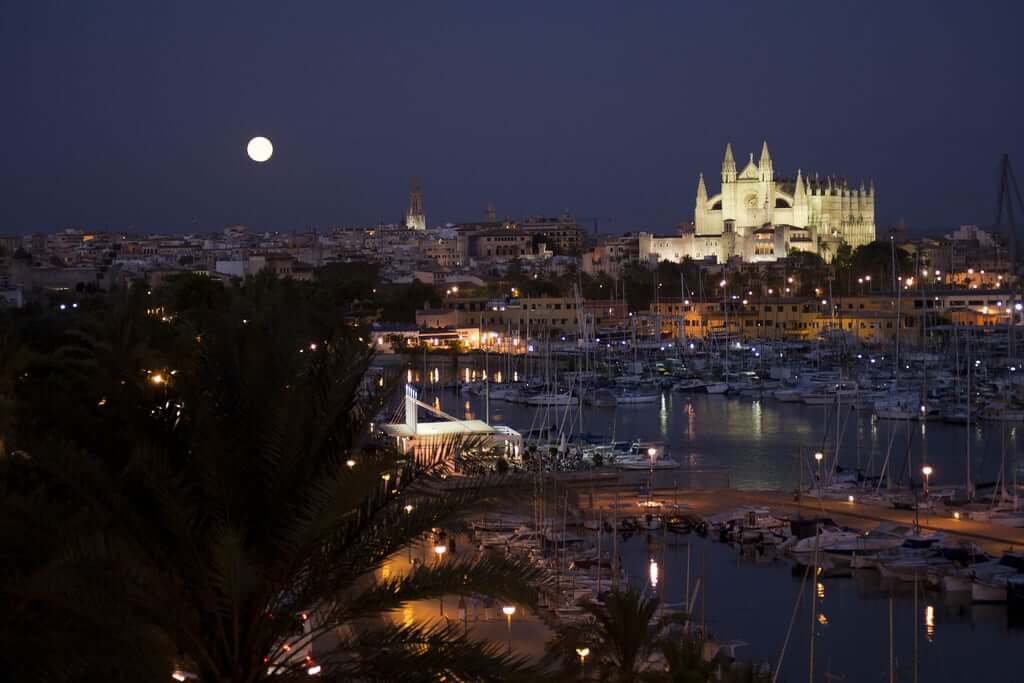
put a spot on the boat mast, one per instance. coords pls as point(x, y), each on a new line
point(725, 309)
point(970, 486)
point(899, 314)
point(682, 314)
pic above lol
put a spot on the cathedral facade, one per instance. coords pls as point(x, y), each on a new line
point(759, 217)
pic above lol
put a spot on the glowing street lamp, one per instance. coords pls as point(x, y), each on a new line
point(508, 611)
point(819, 456)
point(440, 550)
point(350, 463)
point(583, 652)
point(927, 472)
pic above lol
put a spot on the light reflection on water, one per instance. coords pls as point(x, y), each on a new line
point(750, 596)
point(759, 440)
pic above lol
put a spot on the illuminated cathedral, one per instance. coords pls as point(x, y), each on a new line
point(759, 217)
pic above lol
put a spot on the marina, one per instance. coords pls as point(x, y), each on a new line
point(690, 479)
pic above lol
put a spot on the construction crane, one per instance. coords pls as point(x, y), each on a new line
point(1008, 191)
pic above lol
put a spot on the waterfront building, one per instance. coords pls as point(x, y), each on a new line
point(868, 318)
point(535, 318)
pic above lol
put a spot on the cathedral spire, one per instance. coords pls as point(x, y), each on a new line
point(799, 194)
point(764, 164)
point(702, 190)
point(728, 165)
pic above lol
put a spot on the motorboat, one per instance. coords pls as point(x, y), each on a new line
point(990, 580)
point(789, 395)
point(632, 396)
point(1001, 412)
point(552, 399)
point(689, 384)
point(871, 544)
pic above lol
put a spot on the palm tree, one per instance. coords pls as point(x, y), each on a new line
point(14, 358)
point(248, 526)
point(624, 639)
point(684, 660)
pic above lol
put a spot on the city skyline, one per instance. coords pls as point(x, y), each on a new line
point(137, 118)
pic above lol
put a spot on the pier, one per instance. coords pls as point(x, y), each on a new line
point(706, 502)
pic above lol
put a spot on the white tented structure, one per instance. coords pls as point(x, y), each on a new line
point(429, 440)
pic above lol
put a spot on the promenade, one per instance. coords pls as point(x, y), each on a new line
point(993, 537)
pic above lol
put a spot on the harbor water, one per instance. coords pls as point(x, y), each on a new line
point(750, 596)
point(761, 440)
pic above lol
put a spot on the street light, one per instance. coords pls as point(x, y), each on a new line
point(440, 550)
point(819, 456)
point(509, 610)
point(351, 463)
point(927, 472)
point(582, 652)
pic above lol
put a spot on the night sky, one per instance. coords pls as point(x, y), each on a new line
point(135, 115)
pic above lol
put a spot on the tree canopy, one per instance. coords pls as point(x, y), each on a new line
point(177, 494)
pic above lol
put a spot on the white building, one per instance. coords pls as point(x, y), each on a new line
point(759, 217)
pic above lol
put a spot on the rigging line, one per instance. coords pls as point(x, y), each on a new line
point(792, 620)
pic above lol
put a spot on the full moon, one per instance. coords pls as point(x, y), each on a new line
point(260, 149)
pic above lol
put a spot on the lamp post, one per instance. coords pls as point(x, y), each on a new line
point(583, 652)
point(927, 472)
point(463, 614)
point(508, 611)
point(819, 456)
point(651, 452)
point(439, 550)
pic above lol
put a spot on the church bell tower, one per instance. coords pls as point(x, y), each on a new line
point(415, 219)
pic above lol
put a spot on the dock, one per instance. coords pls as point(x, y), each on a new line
point(993, 537)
